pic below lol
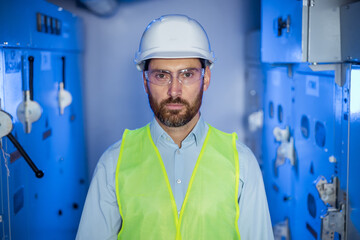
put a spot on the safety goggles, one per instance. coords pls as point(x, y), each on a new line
point(185, 76)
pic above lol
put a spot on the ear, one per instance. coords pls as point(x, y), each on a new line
point(145, 83)
point(207, 77)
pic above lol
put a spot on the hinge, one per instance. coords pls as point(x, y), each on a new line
point(282, 230)
point(333, 222)
point(327, 191)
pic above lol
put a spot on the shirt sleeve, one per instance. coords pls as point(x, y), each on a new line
point(101, 218)
point(254, 219)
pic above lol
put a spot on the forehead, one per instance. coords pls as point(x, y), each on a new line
point(174, 64)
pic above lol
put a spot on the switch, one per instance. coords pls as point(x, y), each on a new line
point(52, 25)
point(64, 97)
point(57, 27)
point(28, 110)
point(46, 24)
point(39, 22)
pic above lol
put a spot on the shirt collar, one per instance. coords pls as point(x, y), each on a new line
point(198, 132)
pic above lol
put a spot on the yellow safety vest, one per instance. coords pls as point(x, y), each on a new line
point(147, 206)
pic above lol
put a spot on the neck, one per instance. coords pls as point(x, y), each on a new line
point(178, 134)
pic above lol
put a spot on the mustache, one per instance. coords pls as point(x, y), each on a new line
point(175, 100)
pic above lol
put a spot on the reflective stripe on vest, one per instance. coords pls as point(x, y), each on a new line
point(146, 203)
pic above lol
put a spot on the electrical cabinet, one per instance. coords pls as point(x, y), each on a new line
point(41, 66)
point(310, 56)
point(310, 146)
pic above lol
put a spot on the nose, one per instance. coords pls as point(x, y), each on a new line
point(175, 88)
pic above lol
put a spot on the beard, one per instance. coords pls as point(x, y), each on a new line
point(174, 118)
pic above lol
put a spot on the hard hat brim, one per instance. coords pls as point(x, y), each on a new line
point(173, 55)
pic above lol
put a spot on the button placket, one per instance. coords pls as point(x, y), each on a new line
point(178, 177)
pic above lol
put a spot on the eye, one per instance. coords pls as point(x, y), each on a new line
point(188, 74)
point(160, 76)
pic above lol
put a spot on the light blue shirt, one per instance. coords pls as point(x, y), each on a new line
point(101, 219)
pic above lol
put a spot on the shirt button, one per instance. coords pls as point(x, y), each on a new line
point(178, 181)
point(178, 151)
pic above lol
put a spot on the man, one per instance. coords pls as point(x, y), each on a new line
point(177, 177)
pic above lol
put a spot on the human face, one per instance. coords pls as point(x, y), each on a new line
point(175, 104)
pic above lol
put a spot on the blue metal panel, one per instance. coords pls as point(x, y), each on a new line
point(314, 108)
point(18, 23)
point(47, 208)
point(321, 121)
point(326, 143)
point(281, 46)
point(56, 143)
point(314, 133)
point(354, 153)
point(277, 113)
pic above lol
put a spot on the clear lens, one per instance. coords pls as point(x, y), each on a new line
point(185, 76)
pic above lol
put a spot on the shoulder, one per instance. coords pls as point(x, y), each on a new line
point(244, 150)
point(111, 152)
point(108, 160)
point(249, 166)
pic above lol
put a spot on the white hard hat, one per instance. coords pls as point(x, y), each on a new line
point(174, 36)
